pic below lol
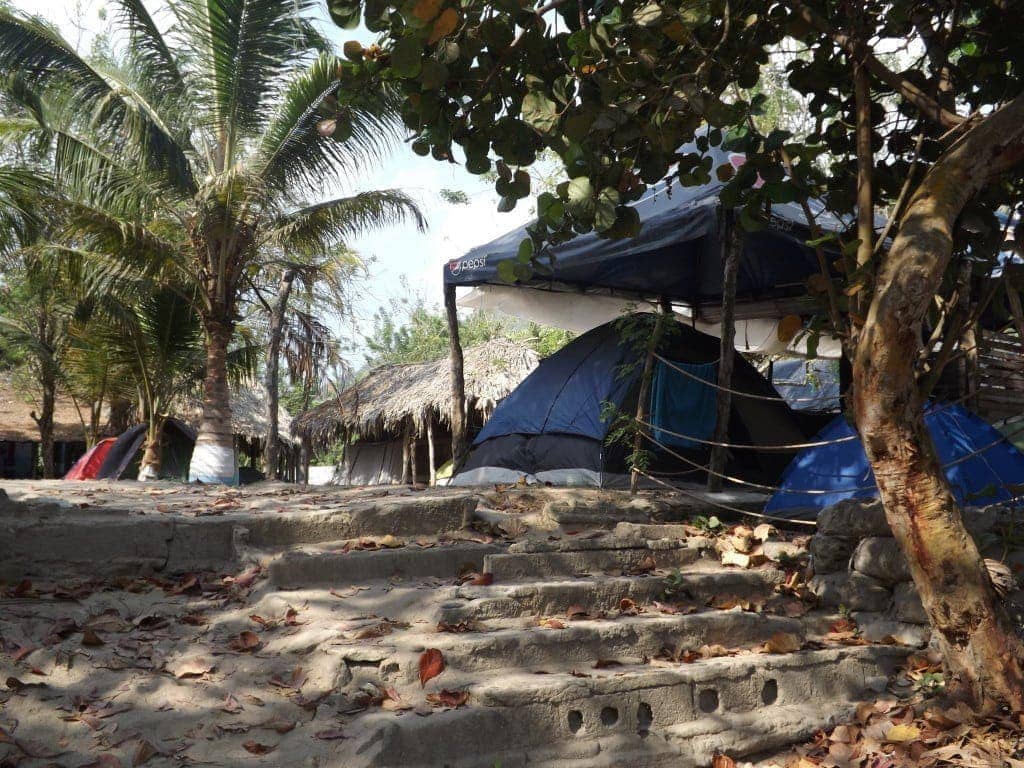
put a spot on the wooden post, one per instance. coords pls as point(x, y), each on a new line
point(430, 448)
point(458, 380)
point(732, 245)
point(645, 384)
point(412, 451)
point(405, 455)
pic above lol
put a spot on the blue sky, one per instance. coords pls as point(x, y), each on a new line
point(401, 256)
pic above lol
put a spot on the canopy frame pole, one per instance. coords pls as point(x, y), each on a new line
point(731, 237)
point(430, 448)
point(458, 415)
point(665, 311)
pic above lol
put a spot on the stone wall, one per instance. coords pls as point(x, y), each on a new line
point(857, 565)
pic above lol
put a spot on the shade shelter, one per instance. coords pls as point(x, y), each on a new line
point(691, 253)
point(395, 423)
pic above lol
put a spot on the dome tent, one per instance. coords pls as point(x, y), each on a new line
point(981, 466)
point(553, 426)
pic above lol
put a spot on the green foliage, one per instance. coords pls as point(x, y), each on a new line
point(418, 334)
point(613, 91)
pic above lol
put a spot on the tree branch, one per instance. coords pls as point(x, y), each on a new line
point(861, 53)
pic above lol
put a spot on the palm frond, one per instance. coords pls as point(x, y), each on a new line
point(242, 50)
point(48, 63)
point(293, 150)
point(152, 59)
point(318, 227)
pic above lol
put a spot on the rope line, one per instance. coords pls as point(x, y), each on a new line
point(746, 446)
point(741, 481)
point(823, 492)
point(726, 507)
point(751, 395)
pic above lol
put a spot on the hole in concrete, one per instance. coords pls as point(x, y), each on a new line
point(644, 718)
point(609, 716)
point(575, 720)
point(770, 692)
point(707, 700)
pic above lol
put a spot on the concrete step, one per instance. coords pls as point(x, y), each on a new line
point(602, 593)
point(639, 716)
point(579, 644)
point(312, 567)
point(531, 566)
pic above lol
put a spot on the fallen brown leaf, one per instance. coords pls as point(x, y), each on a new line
point(606, 663)
point(329, 734)
point(245, 641)
point(576, 613)
point(90, 638)
point(783, 642)
point(446, 698)
point(722, 761)
point(255, 748)
point(143, 752)
point(431, 665)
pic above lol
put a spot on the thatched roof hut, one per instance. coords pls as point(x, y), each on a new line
point(248, 414)
point(389, 398)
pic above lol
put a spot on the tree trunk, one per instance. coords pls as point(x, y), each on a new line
point(732, 246)
point(213, 459)
point(272, 449)
point(431, 458)
point(645, 388)
point(45, 423)
point(153, 454)
point(458, 415)
point(984, 657)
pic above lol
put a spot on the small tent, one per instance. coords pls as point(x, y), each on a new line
point(982, 467)
point(553, 427)
point(123, 457)
point(88, 465)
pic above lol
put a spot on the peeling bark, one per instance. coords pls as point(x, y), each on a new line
point(983, 655)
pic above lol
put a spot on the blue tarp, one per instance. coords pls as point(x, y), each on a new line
point(677, 254)
point(680, 399)
point(808, 385)
point(956, 432)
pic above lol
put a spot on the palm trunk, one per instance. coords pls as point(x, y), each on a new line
point(44, 421)
point(153, 454)
point(272, 449)
point(213, 459)
point(983, 655)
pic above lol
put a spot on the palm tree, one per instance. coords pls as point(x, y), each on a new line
point(200, 155)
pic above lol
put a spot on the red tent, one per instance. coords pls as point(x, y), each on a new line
point(89, 464)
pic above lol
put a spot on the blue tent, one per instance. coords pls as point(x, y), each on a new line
point(553, 426)
point(985, 478)
point(677, 254)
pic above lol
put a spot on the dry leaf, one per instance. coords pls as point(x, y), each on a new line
point(143, 752)
point(245, 642)
point(190, 666)
point(90, 638)
point(901, 734)
point(783, 642)
point(431, 665)
point(552, 624)
point(722, 761)
point(788, 327)
point(482, 580)
point(446, 698)
point(763, 532)
point(329, 734)
point(732, 557)
point(445, 25)
point(606, 663)
point(255, 748)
